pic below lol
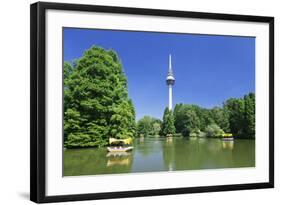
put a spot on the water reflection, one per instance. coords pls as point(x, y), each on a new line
point(169, 140)
point(208, 153)
point(119, 159)
point(162, 154)
point(228, 145)
point(141, 140)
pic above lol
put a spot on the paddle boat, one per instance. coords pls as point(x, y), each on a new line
point(120, 145)
point(227, 137)
point(119, 149)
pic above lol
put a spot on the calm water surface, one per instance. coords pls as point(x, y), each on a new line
point(162, 154)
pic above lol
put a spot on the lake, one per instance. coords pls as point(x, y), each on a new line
point(162, 154)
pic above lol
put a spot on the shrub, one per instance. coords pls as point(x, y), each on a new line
point(202, 134)
point(213, 130)
point(178, 135)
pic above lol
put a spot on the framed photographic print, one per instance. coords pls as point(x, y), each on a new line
point(129, 102)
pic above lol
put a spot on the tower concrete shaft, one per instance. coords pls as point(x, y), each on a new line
point(170, 80)
point(170, 97)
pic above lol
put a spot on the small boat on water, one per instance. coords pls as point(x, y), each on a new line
point(119, 149)
point(120, 145)
point(120, 141)
point(227, 137)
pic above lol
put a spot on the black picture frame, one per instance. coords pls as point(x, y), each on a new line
point(38, 101)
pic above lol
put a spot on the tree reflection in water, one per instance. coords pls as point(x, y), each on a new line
point(162, 154)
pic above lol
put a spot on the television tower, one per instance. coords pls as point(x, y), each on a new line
point(170, 80)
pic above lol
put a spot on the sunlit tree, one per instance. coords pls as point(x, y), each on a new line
point(96, 102)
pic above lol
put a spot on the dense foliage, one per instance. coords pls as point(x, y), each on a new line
point(249, 115)
point(213, 130)
point(168, 127)
point(187, 119)
point(96, 102)
point(148, 126)
point(242, 115)
point(237, 116)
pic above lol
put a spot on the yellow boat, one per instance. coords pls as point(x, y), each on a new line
point(115, 141)
point(124, 141)
point(227, 137)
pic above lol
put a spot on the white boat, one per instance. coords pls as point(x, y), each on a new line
point(119, 149)
point(118, 154)
point(227, 138)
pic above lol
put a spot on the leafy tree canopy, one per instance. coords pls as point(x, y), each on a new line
point(148, 126)
point(96, 101)
point(168, 127)
point(237, 116)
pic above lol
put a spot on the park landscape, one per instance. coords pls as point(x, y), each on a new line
point(99, 110)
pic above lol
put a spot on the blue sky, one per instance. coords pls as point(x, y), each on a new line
point(208, 69)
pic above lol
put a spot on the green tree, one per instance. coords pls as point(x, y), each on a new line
point(190, 122)
point(177, 117)
point(168, 127)
point(144, 126)
point(96, 102)
point(249, 116)
point(148, 126)
point(220, 117)
point(156, 128)
point(235, 108)
point(186, 119)
point(241, 112)
point(120, 121)
point(213, 130)
point(206, 118)
point(132, 119)
point(236, 116)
